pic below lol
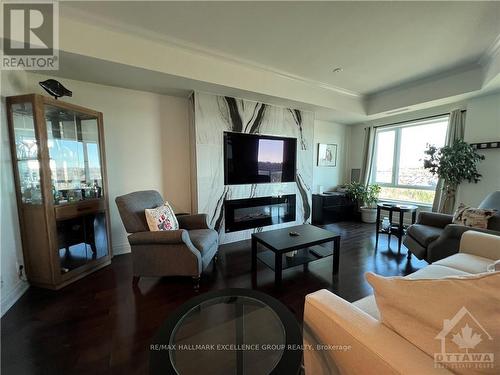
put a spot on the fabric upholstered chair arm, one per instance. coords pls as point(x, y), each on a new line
point(448, 242)
point(197, 221)
point(434, 219)
point(160, 237)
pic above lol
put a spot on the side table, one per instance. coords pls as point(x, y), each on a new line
point(398, 229)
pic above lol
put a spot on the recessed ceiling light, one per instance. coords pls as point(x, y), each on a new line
point(338, 69)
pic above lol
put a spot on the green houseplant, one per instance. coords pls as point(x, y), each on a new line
point(453, 165)
point(367, 197)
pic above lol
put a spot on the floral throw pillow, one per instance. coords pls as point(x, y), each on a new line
point(472, 217)
point(161, 218)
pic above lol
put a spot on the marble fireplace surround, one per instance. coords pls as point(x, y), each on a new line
point(212, 115)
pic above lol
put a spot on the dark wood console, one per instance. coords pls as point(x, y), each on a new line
point(332, 207)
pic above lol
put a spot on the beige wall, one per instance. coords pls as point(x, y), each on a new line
point(329, 132)
point(147, 147)
point(482, 124)
point(355, 143)
point(175, 144)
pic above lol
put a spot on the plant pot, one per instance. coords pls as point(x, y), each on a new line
point(368, 214)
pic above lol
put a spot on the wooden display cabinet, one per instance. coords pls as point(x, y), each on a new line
point(61, 187)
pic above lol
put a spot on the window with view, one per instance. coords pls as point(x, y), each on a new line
point(398, 165)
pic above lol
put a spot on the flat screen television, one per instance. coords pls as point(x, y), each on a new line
point(258, 159)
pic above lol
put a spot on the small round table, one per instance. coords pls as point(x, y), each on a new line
point(397, 229)
point(231, 331)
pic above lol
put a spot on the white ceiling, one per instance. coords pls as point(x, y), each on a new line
point(84, 68)
point(378, 44)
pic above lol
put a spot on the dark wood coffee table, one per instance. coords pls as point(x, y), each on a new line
point(279, 242)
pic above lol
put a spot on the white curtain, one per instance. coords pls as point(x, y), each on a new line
point(368, 151)
point(444, 201)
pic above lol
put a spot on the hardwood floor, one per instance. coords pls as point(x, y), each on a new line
point(101, 324)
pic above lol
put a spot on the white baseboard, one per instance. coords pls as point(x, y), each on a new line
point(11, 297)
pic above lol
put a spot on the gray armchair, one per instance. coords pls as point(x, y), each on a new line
point(183, 252)
point(434, 237)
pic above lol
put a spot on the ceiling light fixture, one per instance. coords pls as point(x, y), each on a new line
point(338, 69)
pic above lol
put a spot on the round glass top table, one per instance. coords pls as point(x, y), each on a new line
point(230, 331)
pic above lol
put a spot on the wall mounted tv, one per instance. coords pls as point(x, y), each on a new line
point(258, 159)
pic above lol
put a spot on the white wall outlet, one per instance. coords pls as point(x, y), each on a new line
point(20, 270)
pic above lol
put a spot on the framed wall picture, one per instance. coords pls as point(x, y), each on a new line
point(327, 155)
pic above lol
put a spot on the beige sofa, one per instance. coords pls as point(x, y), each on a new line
point(375, 348)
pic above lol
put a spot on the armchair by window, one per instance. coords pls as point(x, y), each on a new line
point(183, 252)
point(434, 236)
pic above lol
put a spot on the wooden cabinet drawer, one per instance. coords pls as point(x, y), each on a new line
point(71, 210)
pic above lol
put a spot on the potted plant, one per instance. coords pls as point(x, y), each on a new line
point(453, 164)
point(366, 197)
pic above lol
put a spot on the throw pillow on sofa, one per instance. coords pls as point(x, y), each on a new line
point(457, 316)
point(472, 217)
point(161, 218)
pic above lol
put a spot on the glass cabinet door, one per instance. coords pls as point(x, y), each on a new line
point(76, 176)
point(27, 153)
point(74, 152)
point(81, 240)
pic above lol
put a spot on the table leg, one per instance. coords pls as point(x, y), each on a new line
point(305, 267)
point(400, 231)
point(336, 256)
point(240, 338)
point(390, 226)
point(278, 268)
point(413, 220)
point(378, 227)
point(254, 254)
